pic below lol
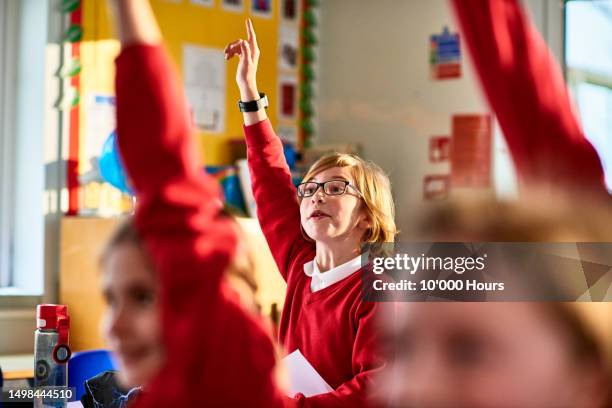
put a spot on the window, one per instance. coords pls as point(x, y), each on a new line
point(24, 70)
point(588, 55)
point(8, 22)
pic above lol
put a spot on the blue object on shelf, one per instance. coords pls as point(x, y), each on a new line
point(111, 167)
point(85, 365)
point(290, 155)
point(230, 182)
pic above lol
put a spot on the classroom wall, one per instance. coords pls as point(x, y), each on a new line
point(184, 23)
point(375, 90)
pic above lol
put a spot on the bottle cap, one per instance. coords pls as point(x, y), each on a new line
point(54, 317)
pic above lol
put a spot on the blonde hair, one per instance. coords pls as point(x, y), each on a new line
point(375, 187)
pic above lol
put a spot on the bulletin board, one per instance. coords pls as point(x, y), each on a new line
point(190, 28)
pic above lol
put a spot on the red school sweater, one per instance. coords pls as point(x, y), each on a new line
point(333, 328)
point(525, 88)
point(216, 354)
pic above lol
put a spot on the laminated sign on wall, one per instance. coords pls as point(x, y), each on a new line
point(471, 151)
point(233, 5)
point(439, 149)
point(445, 55)
point(204, 76)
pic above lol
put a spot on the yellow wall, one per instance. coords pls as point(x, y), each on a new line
point(181, 22)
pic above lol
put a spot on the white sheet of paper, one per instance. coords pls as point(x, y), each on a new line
point(74, 404)
point(100, 123)
point(288, 47)
point(205, 3)
point(205, 87)
point(303, 377)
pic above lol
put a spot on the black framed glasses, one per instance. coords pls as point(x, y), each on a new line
point(330, 187)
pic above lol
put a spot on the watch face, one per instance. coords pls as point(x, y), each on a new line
point(262, 103)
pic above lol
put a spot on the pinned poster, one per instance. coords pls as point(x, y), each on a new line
point(205, 86)
point(445, 55)
point(288, 43)
point(233, 5)
point(100, 123)
point(261, 8)
point(439, 149)
point(205, 3)
point(436, 186)
point(288, 88)
point(289, 10)
point(471, 151)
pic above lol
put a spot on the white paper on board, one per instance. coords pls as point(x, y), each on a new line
point(205, 86)
point(288, 46)
point(233, 5)
point(100, 123)
point(303, 377)
point(205, 3)
point(74, 404)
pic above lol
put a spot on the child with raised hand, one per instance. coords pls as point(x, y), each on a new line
point(202, 349)
point(315, 234)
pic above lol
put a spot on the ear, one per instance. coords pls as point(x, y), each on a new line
point(365, 222)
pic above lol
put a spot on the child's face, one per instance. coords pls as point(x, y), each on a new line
point(131, 324)
point(483, 355)
point(327, 218)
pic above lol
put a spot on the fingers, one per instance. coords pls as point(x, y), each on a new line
point(232, 49)
point(252, 38)
point(250, 32)
point(245, 49)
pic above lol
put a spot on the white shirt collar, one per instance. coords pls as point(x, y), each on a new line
point(321, 280)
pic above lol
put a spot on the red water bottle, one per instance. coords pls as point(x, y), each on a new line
point(51, 349)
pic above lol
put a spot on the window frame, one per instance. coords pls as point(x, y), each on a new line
point(32, 133)
point(8, 53)
point(575, 76)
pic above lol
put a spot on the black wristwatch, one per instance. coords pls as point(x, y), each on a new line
point(254, 106)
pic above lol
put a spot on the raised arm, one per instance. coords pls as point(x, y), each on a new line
point(525, 88)
point(176, 202)
point(212, 347)
point(277, 205)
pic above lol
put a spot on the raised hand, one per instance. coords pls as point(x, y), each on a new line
point(135, 22)
point(248, 52)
